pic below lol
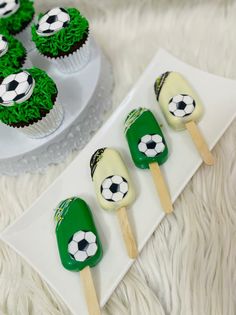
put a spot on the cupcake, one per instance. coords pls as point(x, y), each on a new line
point(16, 17)
point(28, 103)
point(13, 54)
point(62, 36)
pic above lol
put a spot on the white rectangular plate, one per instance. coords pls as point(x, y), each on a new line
point(32, 235)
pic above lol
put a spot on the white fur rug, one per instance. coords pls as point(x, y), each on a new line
point(189, 265)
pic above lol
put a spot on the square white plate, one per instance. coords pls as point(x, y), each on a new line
point(32, 235)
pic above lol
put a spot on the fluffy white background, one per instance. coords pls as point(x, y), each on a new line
point(189, 265)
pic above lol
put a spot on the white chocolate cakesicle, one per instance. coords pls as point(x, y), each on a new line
point(113, 186)
point(178, 101)
point(114, 190)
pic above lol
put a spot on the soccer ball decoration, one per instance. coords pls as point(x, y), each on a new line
point(114, 188)
point(151, 145)
point(16, 88)
point(181, 105)
point(8, 7)
point(3, 45)
point(82, 245)
point(52, 22)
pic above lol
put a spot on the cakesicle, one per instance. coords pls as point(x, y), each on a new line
point(114, 190)
point(182, 108)
point(78, 244)
point(148, 148)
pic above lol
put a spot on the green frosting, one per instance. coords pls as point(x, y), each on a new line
point(65, 39)
point(17, 22)
point(41, 101)
point(14, 57)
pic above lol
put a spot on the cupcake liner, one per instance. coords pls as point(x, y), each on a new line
point(25, 37)
point(75, 61)
point(47, 125)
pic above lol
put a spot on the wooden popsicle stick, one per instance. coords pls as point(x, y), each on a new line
point(200, 142)
point(161, 187)
point(90, 292)
point(127, 233)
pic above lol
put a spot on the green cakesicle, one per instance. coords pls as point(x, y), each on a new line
point(145, 138)
point(77, 238)
point(148, 149)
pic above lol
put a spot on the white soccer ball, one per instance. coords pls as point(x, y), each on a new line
point(151, 145)
point(82, 245)
point(3, 45)
point(8, 7)
point(16, 88)
point(52, 22)
point(181, 105)
point(114, 188)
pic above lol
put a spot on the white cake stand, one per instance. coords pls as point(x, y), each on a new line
point(85, 96)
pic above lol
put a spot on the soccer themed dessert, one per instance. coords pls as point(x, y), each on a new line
point(182, 109)
point(28, 102)
point(148, 149)
point(62, 36)
point(16, 17)
point(114, 190)
point(78, 244)
point(13, 55)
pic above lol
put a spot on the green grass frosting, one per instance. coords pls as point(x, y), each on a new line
point(14, 57)
point(40, 101)
point(65, 39)
point(17, 22)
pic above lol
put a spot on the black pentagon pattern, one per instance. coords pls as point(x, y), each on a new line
point(48, 31)
point(114, 188)
point(63, 10)
point(51, 19)
point(30, 80)
point(151, 144)
point(83, 245)
point(65, 24)
point(2, 5)
point(194, 103)
point(181, 105)
point(18, 97)
point(12, 85)
point(7, 12)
